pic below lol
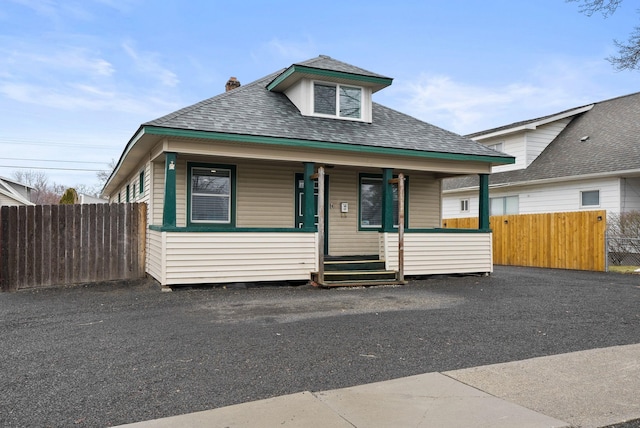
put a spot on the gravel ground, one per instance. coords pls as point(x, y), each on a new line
point(109, 354)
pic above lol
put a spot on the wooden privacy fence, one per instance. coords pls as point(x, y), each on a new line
point(568, 240)
point(46, 245)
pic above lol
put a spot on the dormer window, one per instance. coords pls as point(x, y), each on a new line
point(337, 100)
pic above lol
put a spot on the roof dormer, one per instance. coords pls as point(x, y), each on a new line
point(325, 87)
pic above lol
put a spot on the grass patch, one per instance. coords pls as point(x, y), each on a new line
point(623, 269)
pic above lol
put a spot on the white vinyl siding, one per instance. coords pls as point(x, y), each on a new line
point(549, 198)
point(193, 258)
point(439, 253)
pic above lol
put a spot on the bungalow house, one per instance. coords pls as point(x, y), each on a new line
point(300, 176)
point(583, 158)
point(13, 193)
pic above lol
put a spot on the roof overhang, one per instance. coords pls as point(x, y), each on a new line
point(298, 72)
point(531, 125)
point(148, 136)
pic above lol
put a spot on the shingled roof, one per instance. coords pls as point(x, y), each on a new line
point(253, 110)
point(613, 144)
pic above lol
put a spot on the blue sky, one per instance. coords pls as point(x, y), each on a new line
point(77, 77)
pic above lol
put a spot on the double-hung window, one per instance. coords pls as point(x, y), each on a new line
point(337, 100)
point(211, 192)
point(371, 203)
point(504, 205)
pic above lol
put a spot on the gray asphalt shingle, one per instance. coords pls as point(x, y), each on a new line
point(613, 128)
point(255, 111)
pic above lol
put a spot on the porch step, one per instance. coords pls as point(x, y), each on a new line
point(356, 271)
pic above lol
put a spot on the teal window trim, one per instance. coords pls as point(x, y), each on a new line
point(380, 228)
point(141, 182)
point(232, 213)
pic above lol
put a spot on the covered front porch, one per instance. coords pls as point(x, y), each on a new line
point(325, 208)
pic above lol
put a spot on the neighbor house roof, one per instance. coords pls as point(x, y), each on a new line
point(8, 189)
point(602, 140)
point(255, 111)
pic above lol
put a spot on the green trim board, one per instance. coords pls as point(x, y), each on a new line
point(169, 207)
point(209, 228)
point(323, 145)
point(302, 69)
point(204, 229)
point(233, 202)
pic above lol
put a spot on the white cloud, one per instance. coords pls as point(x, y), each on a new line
point(285, 51)
point(149, 64)
point(548, 88)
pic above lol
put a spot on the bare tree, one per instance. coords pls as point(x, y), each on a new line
point(104, 175)
point(628, 57)
point(44, 193)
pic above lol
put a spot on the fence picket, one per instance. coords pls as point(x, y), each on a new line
point(568, 240)
point(54, 245)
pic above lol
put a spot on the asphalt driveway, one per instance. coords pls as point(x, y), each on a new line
point(104, 355)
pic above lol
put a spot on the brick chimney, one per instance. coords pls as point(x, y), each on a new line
point(232, 84)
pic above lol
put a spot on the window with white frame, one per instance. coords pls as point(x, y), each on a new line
point(337, 100)
point(503, 205)
point(211, 193)
point(464, 205)
point(590, 198)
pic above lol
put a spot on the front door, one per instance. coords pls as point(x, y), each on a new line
point(299, 218)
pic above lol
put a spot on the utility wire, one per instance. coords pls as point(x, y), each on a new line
point(54, 160)
point(50, 167)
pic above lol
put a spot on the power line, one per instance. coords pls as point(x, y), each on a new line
point(50, 167)
point(54, 144)
point(54, 160)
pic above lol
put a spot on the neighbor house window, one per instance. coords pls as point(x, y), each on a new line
point(337, 100)
point(590, 198)
point(504, 205)
point(128, 194)
point(211, 192)
point(464, 205)
point(371, 204)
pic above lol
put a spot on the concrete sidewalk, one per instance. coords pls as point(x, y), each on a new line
point(591, 388)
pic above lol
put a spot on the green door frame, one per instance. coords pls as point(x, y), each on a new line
point(300, 206)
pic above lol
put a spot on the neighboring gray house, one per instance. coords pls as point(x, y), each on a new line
point(233, 184)
point(584, 158)
point(14, 193)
